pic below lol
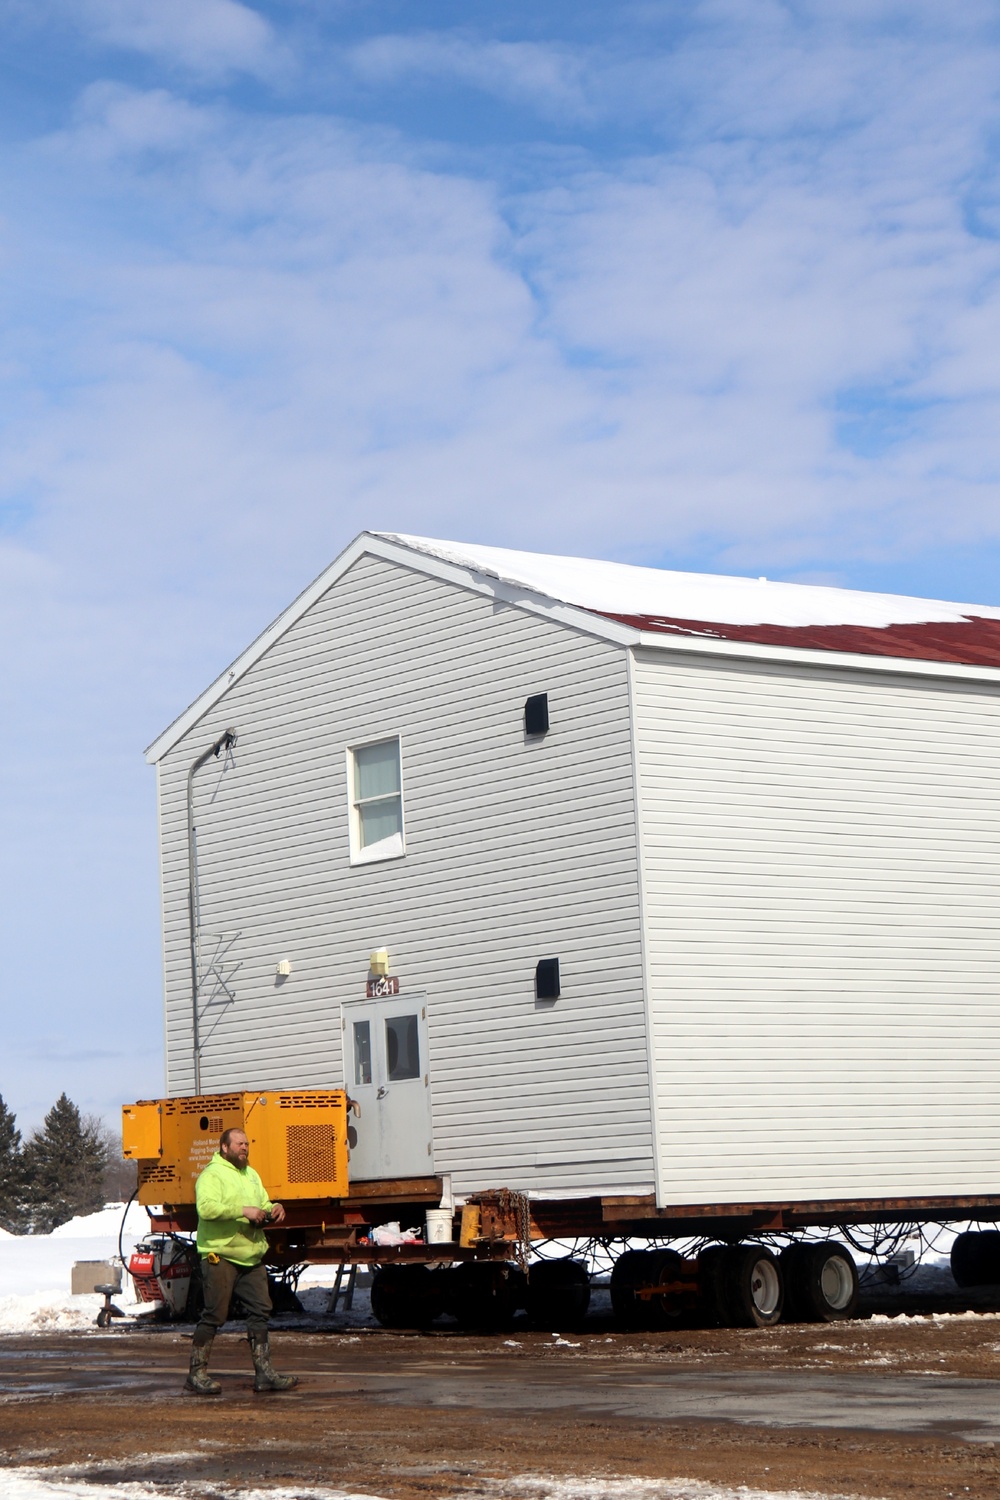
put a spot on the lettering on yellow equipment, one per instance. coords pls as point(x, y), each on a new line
point(298, 1141)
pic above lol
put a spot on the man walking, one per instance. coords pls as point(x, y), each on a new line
point(232, 1209)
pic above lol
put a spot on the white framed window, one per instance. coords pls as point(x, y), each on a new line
point(375, 792)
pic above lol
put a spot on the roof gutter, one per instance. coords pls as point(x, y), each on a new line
point(900, 666)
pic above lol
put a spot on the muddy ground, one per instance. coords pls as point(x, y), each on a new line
point(901, 1408)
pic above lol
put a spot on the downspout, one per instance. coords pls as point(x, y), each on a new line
point(225, 741)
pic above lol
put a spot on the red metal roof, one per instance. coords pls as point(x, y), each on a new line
point(973, 641)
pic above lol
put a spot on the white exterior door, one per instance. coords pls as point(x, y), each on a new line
point(385, 1057)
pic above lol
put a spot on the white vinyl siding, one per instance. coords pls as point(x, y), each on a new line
point(821, 874)
point(516, 849)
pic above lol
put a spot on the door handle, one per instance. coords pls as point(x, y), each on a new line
point(381, 1092)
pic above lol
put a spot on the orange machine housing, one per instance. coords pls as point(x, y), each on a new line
point(298, 1141)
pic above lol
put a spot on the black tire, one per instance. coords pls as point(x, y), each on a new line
point(792, 1261)
point(827, 1288)
point(643, 1268)
point(284, 1298)
point(712, 1285)
point(558, 1295)
point(975, 1258)
point(104, 1318)
point(486, 1295)
point(752, 1287)
point(669, 1312)
point(404, 1297)
point(629, 1272)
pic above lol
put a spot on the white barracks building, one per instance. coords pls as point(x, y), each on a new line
point(689, 885)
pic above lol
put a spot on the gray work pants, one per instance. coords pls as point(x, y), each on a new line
point(220, 1281)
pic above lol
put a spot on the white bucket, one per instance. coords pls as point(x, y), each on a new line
point(437, 1229)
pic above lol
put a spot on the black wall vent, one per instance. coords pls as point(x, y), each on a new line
point(547, 979)
point(536, 714)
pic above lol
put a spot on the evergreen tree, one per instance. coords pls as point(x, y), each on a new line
point(11, 1173)
point(64, 1164)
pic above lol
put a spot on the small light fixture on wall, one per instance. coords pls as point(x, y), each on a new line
point(284, 968)
point(378, 963)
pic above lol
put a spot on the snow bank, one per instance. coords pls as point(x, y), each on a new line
point(105, 1222)
point(35, 1271)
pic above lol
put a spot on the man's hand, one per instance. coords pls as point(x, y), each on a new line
point(255, 1215)
point(277, 1214)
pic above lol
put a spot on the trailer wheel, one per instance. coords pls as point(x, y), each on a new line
point(404, 1297)
point(668, 1265)
point(642, 1268)
point(558, 1294)
point(752, 1286)
point(821, 1283)
point(792, 1263)
point(712, 1285)
point(975, 1258)
point(828, 1283)
point(487, 1294)
point(629, 1272)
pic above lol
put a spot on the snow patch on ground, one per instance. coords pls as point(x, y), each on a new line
point(315, 1301)
point(652, 1489)
point(45, 1312)
point(35, 1484)
point(36, 1271)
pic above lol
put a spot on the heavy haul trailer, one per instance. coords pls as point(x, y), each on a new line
point(299, 1141)
point(670, 903)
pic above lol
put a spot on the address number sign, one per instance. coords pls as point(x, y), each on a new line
point(379, 989)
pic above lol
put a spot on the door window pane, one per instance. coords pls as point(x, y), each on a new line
point(402, 1048)
point(362, 1052)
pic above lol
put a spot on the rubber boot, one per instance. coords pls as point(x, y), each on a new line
point(267, 1377)
point(199, 1381)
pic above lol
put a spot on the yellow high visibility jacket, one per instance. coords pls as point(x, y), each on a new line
point(221, 1193)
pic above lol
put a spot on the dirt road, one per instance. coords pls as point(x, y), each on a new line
point(902, 1408)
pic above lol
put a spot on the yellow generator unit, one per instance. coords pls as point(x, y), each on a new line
point(298, 1141)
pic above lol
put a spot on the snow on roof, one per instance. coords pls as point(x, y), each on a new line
point(756, 610)
point(955, 639)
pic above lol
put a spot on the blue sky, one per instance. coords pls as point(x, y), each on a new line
point(713, 285)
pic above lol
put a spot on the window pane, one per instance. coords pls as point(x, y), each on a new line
point(402, 1048)
point(380, 820)
point(362, 1052)
point(376, 770)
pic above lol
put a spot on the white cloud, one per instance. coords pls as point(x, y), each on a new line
point(318, 326)
point(548, 77)
point(207, 38)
